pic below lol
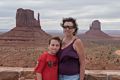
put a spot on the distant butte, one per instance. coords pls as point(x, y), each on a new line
point(95, 30)
point(27, 32)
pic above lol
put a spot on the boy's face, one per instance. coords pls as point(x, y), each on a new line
point(54, 46)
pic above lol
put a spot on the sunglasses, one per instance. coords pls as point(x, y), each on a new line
point(69, 27)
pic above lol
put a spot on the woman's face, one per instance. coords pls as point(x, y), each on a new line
point(68, 28)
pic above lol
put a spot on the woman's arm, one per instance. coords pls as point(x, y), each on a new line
point(39, 76)
point(78, 46)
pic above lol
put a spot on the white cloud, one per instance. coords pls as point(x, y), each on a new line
point(52, 12)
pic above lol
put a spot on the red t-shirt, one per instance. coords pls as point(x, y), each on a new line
point(47, 66)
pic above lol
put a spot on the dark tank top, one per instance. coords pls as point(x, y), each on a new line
point(68, 61)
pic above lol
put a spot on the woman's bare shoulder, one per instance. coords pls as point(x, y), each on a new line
point(78, 40)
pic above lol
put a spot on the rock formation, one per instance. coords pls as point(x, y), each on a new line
point(27, 31)
point(95, 30)
point(25, 18)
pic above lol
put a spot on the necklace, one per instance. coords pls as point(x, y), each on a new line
point(66, 42)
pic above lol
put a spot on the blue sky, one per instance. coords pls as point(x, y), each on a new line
point(52, 12)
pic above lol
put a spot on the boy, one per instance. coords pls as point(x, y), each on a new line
point(47, 68)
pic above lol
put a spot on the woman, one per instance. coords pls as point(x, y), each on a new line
point(71, 57)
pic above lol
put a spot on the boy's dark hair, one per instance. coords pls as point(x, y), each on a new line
point(70, 19)
point(56, 38)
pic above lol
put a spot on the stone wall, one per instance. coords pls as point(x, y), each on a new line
point(17, 73)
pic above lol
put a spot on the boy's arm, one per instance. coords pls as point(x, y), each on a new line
point(39, 76)
point(40, 66)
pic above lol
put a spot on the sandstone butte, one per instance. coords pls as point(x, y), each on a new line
point(95, 30)
point(27, 32)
